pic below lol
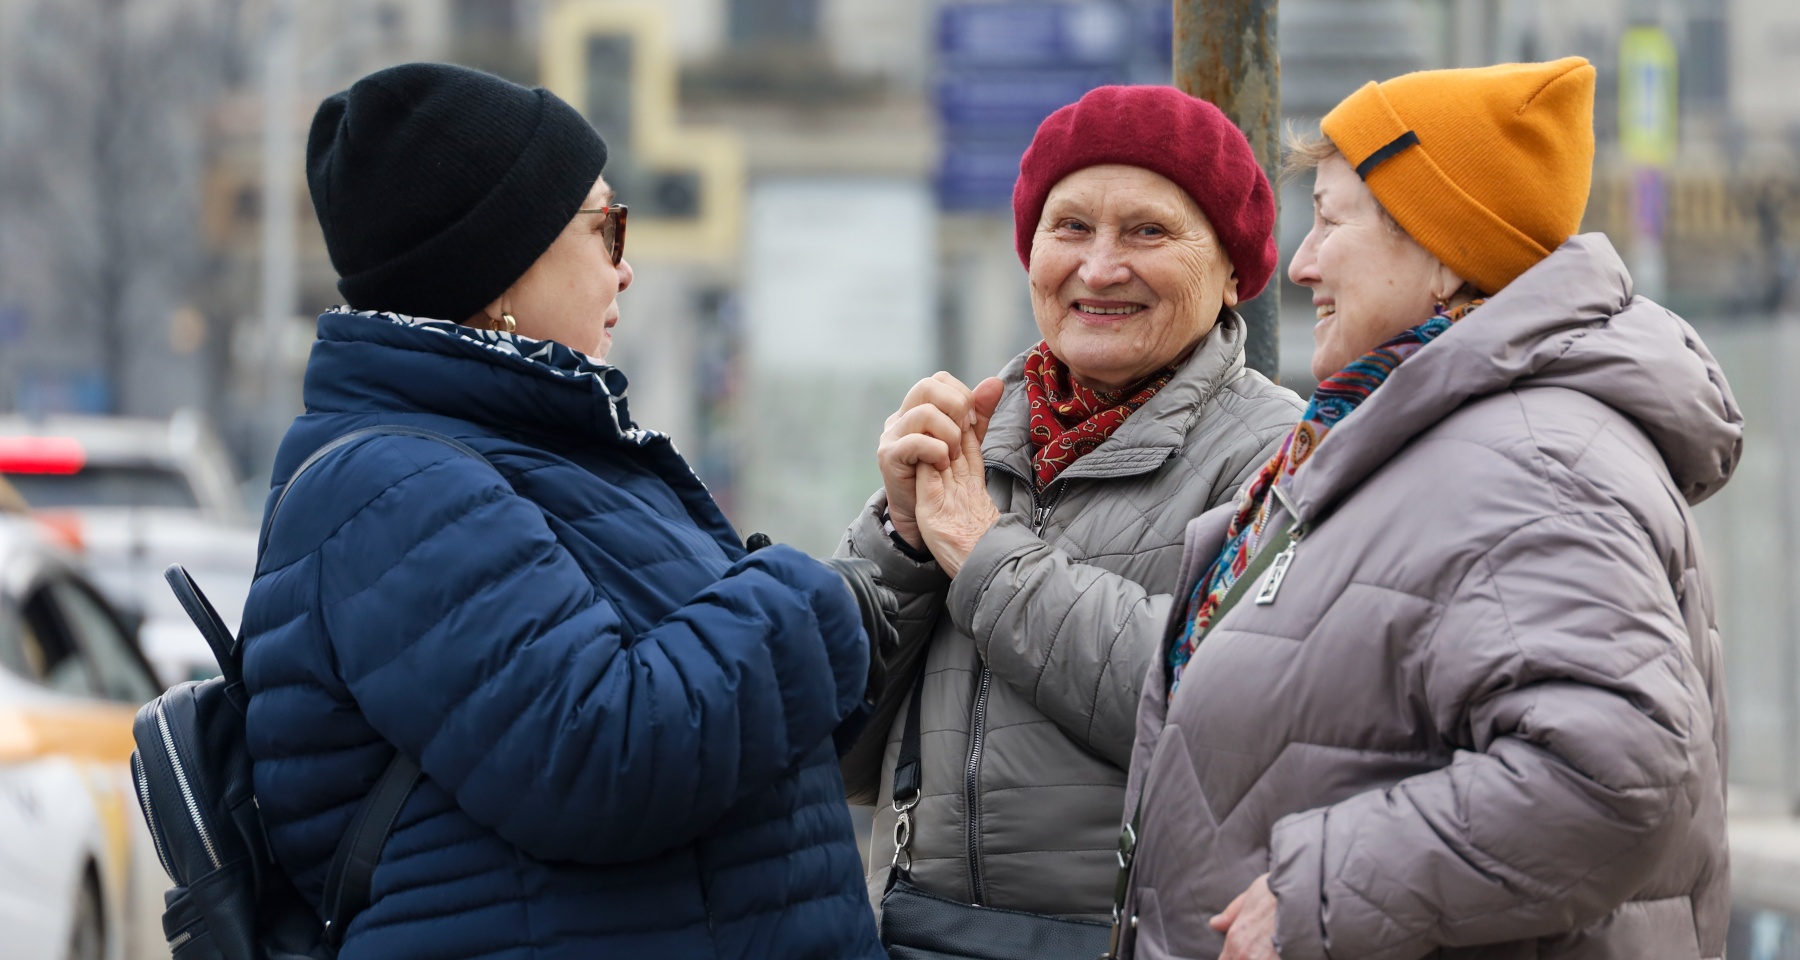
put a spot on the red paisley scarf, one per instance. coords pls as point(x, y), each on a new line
point(1067, 419)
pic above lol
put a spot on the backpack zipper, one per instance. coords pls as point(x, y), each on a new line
point(1040, 515)
point(142, 778)
point(187, 790)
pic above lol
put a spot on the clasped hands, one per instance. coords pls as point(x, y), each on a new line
point(931, 467)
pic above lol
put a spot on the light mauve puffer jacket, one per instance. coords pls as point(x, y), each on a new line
point(1484, 715)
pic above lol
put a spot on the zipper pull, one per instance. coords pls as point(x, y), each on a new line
point(1277, 573)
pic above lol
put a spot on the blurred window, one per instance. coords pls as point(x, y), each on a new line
point(12, 649)
point(110, 655)
point(774, 21)
point(100, 485)
point(49, 651)
point(1706, 64)
point(471, 16)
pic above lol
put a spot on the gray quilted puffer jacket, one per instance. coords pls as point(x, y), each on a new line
point(1033, 656)
point(1484, 714)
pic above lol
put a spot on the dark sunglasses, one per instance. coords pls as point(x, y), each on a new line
point(612, 229)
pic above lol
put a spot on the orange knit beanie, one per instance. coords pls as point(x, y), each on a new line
point(1487, 168)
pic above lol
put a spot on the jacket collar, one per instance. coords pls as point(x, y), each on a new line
point(1149, 437)
point(372, 362)
point(1571, 321)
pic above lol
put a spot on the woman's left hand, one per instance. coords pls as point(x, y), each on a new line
point(954, 509)
point(1248, 924)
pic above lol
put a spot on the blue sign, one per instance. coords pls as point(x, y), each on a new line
point(1033, 34)
point(1004, 67)
point(973, 175)
point(1014, 99)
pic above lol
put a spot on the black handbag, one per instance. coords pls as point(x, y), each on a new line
point(916, 925)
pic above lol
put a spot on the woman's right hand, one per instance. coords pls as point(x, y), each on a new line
point(927, 429)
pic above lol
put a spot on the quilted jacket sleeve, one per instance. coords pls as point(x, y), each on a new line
point(1073, 636)
point(1559, 674)
point(920, 589)
point(471, 639)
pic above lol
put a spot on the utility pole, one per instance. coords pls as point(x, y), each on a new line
point(1225, 54)
point(280, 270)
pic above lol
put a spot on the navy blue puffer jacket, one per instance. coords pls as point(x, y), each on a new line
point(625, 723)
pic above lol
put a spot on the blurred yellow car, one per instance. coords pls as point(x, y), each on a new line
point(80, 877)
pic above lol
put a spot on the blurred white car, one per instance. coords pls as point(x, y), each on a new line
point(135, 496)
point(79, 874)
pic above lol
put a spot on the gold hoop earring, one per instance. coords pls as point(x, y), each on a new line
point(506, 323)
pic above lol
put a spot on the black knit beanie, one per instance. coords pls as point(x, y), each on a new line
point(438, 186)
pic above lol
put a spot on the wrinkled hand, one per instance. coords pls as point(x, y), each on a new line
point(928, 429)
point(1248, 924)
point(952, 505)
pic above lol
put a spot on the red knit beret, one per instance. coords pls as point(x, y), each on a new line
point(1164, 131)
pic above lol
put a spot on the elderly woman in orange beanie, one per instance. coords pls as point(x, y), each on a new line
point(1035, 552)
point(1445, 679)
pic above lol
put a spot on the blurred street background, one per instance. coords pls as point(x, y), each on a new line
point(820, 195)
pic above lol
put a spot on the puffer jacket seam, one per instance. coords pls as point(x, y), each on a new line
point(1385, 588)
point(1056, 636)
point(984, 634)
point(377, 495)
point(492, 583)
point(1052, 786)
point(1487, 550)
point(1540, 460)
point(1483, 562)
point(447, 529)
point(1637, 536)
point(1552, 894)
point(1120, 554)
point(1106, 660)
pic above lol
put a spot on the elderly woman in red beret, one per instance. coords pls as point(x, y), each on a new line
point(1032, 526)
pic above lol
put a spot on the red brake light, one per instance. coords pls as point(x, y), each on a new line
point(62, 455)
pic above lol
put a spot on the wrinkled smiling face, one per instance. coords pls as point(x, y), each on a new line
point(1126, 274)
point(1369, 280)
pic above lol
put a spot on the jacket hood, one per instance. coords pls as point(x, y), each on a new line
point(1571, 321)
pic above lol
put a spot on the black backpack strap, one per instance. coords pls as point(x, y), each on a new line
point(348, 882)
point(347, 439)
point(200, 610)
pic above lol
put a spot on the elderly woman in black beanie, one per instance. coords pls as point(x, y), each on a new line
point(624, 720)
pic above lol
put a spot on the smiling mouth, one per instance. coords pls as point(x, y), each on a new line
point(1123, 311)
point(1325, 310)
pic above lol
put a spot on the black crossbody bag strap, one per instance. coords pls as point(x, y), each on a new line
point(908, 775)
point(917, 923)
point(350, 878)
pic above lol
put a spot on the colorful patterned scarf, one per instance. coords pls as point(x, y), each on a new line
point(1336, 398)
point(1067, 419)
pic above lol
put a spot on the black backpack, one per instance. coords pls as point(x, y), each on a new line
point(231, 900)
